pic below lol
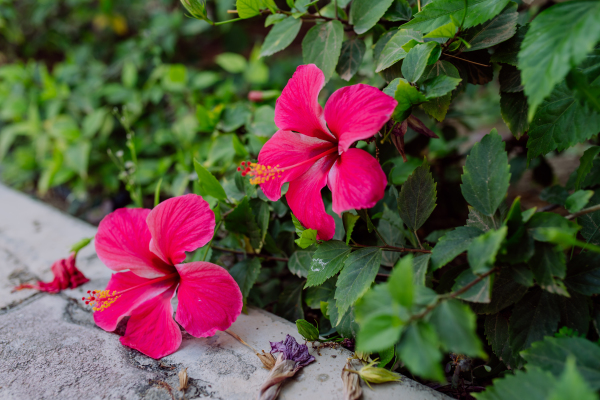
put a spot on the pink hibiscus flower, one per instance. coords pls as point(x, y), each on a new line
point(151, 245)
point(313, 148)
point(66, 276)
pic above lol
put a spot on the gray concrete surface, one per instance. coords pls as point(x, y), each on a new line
point(51, 349)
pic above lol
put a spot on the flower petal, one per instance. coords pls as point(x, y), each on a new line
point(123, 242)
point(288, 148)
point(304, 198)
point(209, 298)
point(298, 108)
point(357, 112)
point(180, 224)
point(356, 181)
point(151, 329)
point(128, 301)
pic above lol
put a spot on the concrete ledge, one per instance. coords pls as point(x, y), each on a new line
point(50, 347)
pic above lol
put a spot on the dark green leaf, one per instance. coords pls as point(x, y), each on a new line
point(555, 195)
point(574, 312)
point(349, 221)
point(315, 295)
point(327, 261)
point(578, 200)
point(507, 51)
point(290, 302)
point(490, 33)
point(299, 263)
point(416, 60)
point(245, 273)
point(351, 57)
point(419, 350)
point(241, 220)
point(559, 38)
point(550, 220)
point(510, 79)
point(452, 244)
point(406, 95)
point(439, 86)
point(420, 266)
point(483, 249)
point(496, 332)
point(505, 292)
point(364, 14)
point(261, 212)
point(572, 385)
point(393, 51)
point(455, 325)
point(513, 107)
point(391, 228)
point(281, 36)
point(583, 274)
point(480, 293)
point(590, 223)
point(347, 326)
point(417, 197)
point(322, 46)
point(399, 11)
point(530, 385)
point(585, 164)
point(549, 267)
point(438, 107)
point(359, 272)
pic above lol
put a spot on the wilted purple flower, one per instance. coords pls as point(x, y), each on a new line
point(293, 351)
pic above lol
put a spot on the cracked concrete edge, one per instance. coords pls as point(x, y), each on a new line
point(218, 367)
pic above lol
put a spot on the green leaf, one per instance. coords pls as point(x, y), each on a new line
point(419, 350)
point(578, 200)
point(241, 220)
point(245, 273)
point(406, 95)
point(401, 283)
point(299, 263)
point(513, 107)
point(351, 57)
point(208, 184)
point(231, 62)
point(281, 36)
point(441, 12)
point(534, 316)
point(346, 326)
point(507, 51)
point(289, 305)
point(559, 123)
point(486, 174)
point(417, 197)
point(505, 292)
point(399, 11)
point(439, 86)
point(552, 353)
point(574, 312)
point(322, 46)
point(359, 272)
point(572, 385)
point(379, 332)
point(364, 14)
point(416, 60)
point(583, 274)
point(377, 300)
point(550, 220)
point(327, 261)
point(420, 268)
point(438, 107)
point(322, 293)
point(274, 19)
point(250, 8)
point(455, 325)
point(496, 332)
point(392, 230)
point(483, 249)
point(559, 38)
point(496, 30)
point(547, 264)
point(393, 51)
point(307, 238)
point(80, 245)
point(349, 220)
point(479, 293)
point(307, 330)
point(452, 244)
point(585, 165)
point(531, 385)
point(444, 31)
point(483, 222)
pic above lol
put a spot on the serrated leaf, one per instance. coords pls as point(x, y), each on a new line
point(455, 324)
point(534, 316)
point(495, 31)
point(406, 95)
point(416, 60)
point(486, 174)
point(560, 122)
point(445, 31)
point(299, 263)
point(419, 350)
point(479, 293)
point(547, 264)
point(359, 272)
point(281, 36)
point(327, 261)
point(438, 13)
point(349, 220)
point(552, 353)
point(558, 38)
point(585, 165)
point(510, 79)
point(351, 57)
point(574, 312)
point(393, 51)
point(496, 332)
point(584, 274)
point(400, 282)
point(452, 244)
point(438, 107)
point(245, 273)
point(346, 325)
point(250, 8)
point(513, 108)
point(576, 201)
point(417, 198)
point(530, 385)
point(507, 51)
point(377, 300)
point(439, 86)
point(322, 46)
point(399, 11)
point(543, 220)
point(289, 305)
point(572, 385)
point(364, 14)
point(307, 238)
point(505, 292)
point(483, 249)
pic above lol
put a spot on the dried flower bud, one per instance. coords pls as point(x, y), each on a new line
point(418, 126)
point(267, 359)
point(293, 351)
point(363, 356)
point(352, 389)
point(397, 137)
point(282, 370)
point(371, 374)
point(183, 379)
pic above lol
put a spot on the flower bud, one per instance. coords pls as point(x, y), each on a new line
point(363, 356)
point(308, 331)
point(197, 8)
point(371, 374)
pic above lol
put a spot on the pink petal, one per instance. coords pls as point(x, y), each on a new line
point(356, 181)
point(180, 224)
point(151, 329)
point(287, 148)
point(298, 108)
point(209, 298)
point(133, 295)
point(123, 242)
point(357, 112)
point(304, 198)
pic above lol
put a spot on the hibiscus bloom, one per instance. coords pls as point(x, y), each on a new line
point(151, 245)
point(66, 276)
point(313, 148)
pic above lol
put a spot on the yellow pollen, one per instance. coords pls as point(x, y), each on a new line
point(101, 300)
point(263, 173)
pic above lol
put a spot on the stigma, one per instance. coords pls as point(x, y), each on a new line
point(100, 300)
point(260, 173)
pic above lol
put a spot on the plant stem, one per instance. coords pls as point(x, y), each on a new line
point(469, 61)
point(583, 212)
point(419, 5)
point(228, 21)
point(266, 257)
point(418, 241)
point(396, 249)
point(336, 10)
